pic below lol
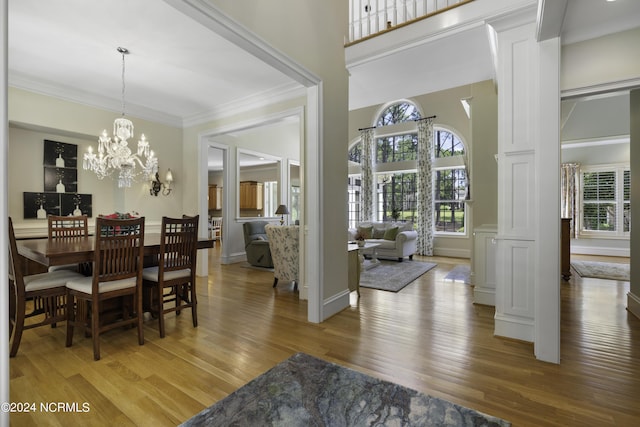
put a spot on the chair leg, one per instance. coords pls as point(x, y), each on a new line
point(71, 319)
point(275, 282)
point(95, 329)
point(194, 305)
point(138, 305)
point(18, 328)
point(160, 292)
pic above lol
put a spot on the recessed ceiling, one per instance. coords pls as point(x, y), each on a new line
point(177, 69)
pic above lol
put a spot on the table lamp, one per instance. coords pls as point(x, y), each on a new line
point(282, 210)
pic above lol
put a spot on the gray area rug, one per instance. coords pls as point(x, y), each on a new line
point(459, 273)
point(602, 270)
point(392, 275)
point(307, 391)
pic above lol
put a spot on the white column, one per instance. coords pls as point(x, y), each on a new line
point(528, 270)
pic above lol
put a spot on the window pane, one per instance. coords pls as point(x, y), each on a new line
point(599, 186)
point(354, 191)
point(355, 153)
point(397, 197)
point(599, 216)
point(397, 148)
point(447, 144)
point(449, 193)
point(398, 113)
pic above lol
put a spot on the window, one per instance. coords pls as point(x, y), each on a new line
point(606, 204)
point(270, 198)
point(450, 191)
point(397, 197)
point(353, 203)
point(396, 181)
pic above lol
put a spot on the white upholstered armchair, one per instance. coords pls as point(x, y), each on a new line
point(284, 246)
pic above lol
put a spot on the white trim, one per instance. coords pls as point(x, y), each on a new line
point(595, 142)
point(4, 214)
point(633, 304)
point(600, 251)
point(335, 304)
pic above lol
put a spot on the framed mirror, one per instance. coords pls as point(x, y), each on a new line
point(258, 184)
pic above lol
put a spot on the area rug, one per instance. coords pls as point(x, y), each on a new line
point(393, 275)
point(460, 273)
point(307, 391)
point(602, 270)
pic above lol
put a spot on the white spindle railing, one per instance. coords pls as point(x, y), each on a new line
point(369, 17)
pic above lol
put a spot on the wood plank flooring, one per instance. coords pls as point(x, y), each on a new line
point(429, 337)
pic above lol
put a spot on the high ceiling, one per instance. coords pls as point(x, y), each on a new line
point(179, 71)
point(176, 70)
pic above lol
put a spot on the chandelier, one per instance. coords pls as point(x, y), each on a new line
point(114, 153)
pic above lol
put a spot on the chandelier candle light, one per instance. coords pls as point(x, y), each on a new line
point(114, 154)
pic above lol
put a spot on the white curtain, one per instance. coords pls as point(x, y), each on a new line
point(570, 194)
point(425, 187)
point(366, 199)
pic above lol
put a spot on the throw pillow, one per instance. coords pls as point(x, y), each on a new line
point(378, 233)
point(366, 232)
point(391, 233)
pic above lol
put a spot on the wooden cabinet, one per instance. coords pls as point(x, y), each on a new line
point(215, 197)
point(251, 195)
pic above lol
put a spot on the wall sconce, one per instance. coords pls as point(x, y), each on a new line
point(165, 187)
point(282, 210)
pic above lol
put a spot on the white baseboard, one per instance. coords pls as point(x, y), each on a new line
point(335, 304)
point(601, 251)
point(233, 258)
point(633, 304)
point(514, 327)
point(484, 296)
point(452, 253)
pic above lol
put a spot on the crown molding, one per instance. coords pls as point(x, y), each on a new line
point(278, 94)
point(71, 94)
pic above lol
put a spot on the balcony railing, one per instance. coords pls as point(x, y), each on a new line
point(372, 17)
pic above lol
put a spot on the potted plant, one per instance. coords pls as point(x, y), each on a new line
point(360, 238)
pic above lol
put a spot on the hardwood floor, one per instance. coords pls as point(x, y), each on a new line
point(429, 337)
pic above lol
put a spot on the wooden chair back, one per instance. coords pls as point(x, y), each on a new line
point(119, 250)
point(44, 293)
point(68, 226)
point(178, 244)
point(16, 278)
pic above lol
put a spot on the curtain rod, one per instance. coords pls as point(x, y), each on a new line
point(416, 120)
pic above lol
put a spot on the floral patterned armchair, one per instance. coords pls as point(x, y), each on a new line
point(284, 244)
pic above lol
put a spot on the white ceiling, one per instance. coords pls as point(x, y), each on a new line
point(179, 71)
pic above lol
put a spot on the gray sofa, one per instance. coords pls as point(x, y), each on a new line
point(403, 244)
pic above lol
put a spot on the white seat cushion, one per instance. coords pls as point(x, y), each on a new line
point(151, 273)
point(49, 280)
point(83, 284)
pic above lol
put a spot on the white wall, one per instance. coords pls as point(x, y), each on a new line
point(34, 118)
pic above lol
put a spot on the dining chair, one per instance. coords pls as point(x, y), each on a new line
point(176, 270)
point(117, 273)
point(215, 229)
point(44, 293)
point(68, 227)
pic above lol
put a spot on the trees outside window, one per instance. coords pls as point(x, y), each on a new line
point(396, 173)
point(606, 204)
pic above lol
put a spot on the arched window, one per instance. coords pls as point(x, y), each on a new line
point(396, 171)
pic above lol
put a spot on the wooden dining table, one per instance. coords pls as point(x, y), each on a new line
point(49, 252)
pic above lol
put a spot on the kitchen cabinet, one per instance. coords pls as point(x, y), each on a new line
point(251, 195)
